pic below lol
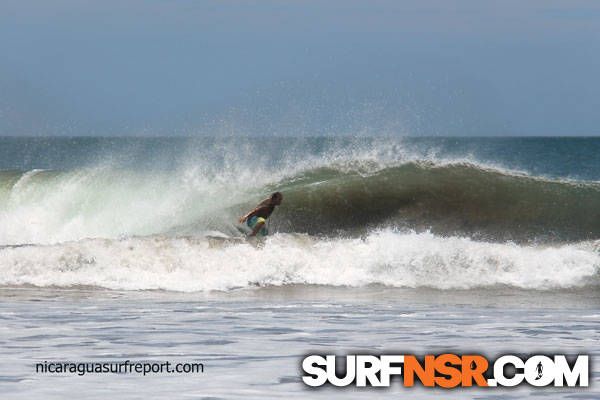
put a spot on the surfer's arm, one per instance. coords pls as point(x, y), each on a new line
point(257, 228)
point(245, 217)
point(260, 206)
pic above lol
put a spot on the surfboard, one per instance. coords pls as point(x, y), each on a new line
point(224, 241)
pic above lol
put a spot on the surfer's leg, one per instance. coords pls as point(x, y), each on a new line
point(259, 227)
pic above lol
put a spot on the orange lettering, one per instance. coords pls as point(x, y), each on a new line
point(412, 367)
point(442, 367)
point(473, 367)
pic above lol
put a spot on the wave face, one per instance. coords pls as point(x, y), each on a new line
point(449, 199)
point(353, 214)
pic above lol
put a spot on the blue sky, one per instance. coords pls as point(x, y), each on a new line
point(183, 67)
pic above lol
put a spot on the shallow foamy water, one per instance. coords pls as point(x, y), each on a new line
point(251, 342)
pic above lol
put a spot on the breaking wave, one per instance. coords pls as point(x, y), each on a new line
point(387, 258)
point(347, 219)
point(346, 199)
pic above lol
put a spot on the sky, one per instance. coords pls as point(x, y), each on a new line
point(288, 67)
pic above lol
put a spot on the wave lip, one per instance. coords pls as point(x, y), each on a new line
point(403, 260)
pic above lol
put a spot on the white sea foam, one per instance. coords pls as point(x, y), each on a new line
point(108, 203)
point(387, 257)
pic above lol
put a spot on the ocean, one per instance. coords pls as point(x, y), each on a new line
point(115, 249)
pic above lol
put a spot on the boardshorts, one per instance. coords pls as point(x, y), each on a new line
point(253, 220)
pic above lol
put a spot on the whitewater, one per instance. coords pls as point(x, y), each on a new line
point(386, 258)
point(356, 213)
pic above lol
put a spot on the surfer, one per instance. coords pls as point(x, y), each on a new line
point(539, 370)
point(257, 218)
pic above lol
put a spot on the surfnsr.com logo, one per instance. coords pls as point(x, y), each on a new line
point(445, 370)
